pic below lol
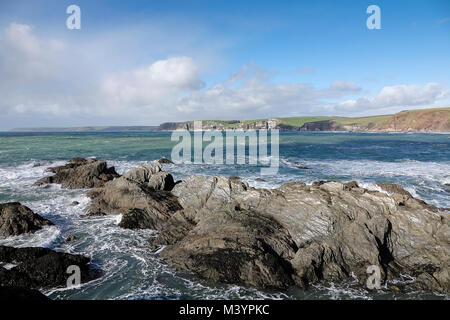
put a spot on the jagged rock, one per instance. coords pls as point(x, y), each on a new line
point(236, 247)
point(165, 161)
point(161, 181)
point(16, 219)
point(41, 267)
point(39, 164)
point(303, 234)
point(71, 238)
point(152, 176)
point(142, 174)
point(141, 206)
point(141, 195)
point(80, 173)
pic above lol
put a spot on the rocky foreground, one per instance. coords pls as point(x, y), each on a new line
point(24, 270)
point(296, 235)
point(224, 230)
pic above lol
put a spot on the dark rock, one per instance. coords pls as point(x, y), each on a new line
point(71, 238)
point(301, 167)
point(80, 173)
point(161, 181)
point(165, 161)
point(41, 267)
point(39, 164)
point(351, 185)
point(16, 219)
point(260, 179)
point(14, 294)
point(75, 203)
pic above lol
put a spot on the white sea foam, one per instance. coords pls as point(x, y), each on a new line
point(132, 271)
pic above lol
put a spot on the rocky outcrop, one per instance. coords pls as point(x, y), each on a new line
point(141, 195)
point(16, 219)
point(15, 294)
point(36, 268)
point(302, 234)
point(80, 173)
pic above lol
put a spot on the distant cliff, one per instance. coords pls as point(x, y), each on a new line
point(423, 120)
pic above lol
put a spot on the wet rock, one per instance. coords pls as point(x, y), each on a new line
point(16, 219)
point(75, 203)
point(41, 267)
point(80, 173)
point(71, 238)
point(161, 181)
point(151, 176)
point(40, 164)
point(141, 206)
point(300, 234)
point(165, 161)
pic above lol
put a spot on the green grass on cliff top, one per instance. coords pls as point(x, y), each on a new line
point(360, 121)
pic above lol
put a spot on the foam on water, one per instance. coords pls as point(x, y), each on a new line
point(132, 271)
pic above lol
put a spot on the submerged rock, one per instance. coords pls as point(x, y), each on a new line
point(16, 219)
point(36, 268)
point(80, 173)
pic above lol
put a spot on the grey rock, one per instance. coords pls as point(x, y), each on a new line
point(80, 173)
point(328, 231)
point(16, 219)
point(141, 206)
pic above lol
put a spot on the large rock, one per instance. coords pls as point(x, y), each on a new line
point(302, 234)
point(35, 268)
point(16, 219)
point(15, 294)
point(151, 176)
point(80, 173)
point(140, 195)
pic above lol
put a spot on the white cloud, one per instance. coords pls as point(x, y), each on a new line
point(24, 57)
point(50, 82)
point(399, 95)
point(146, 86)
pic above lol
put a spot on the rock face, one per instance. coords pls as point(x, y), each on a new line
point(141, 195)
point(299, 234)
point(36, 268)
point(80, 173)
point(16, 219)
point(21, 294)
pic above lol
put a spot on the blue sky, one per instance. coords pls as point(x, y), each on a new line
point(145, 62)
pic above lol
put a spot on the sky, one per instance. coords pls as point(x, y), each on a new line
point(147, 62)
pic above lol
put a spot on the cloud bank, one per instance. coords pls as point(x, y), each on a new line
point(46, 80)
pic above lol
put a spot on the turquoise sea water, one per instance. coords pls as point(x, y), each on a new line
point(418, 162)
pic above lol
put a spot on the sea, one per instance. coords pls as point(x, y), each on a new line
point(419, 162)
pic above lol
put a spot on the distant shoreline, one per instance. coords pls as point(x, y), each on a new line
point(432, 120)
